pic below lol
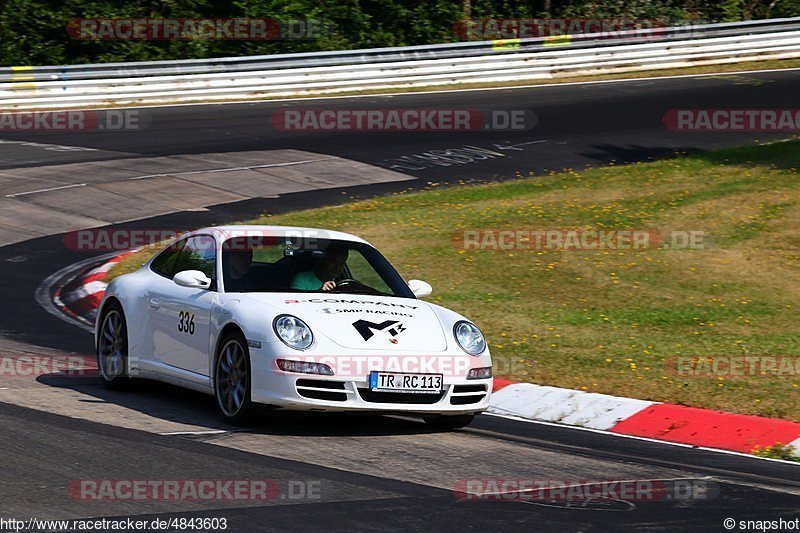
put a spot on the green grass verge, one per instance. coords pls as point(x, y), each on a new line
point(781, 451)
point(610, 321)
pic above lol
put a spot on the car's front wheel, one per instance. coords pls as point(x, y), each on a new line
point(232, 379)
point(112, 347)
point(449, 421)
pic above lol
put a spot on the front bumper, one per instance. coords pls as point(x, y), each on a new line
point(322, 393)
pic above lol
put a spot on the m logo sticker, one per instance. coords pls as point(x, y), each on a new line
point(392, 327)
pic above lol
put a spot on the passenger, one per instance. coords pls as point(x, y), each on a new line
point(324, 276)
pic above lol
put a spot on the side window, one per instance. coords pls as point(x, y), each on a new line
point(164, 263)
point(200, 253)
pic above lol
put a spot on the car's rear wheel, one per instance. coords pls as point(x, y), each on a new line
point(232, 379)
point(449, 421)
point(112, 347)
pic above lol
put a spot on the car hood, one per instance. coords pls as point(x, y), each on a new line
point(364, 322)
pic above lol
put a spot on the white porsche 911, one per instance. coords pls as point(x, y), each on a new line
point(291, 318)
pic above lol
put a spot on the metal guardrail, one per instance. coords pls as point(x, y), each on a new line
point(302, 74)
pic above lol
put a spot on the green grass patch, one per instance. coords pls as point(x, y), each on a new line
point(777, 451)
point(611, 321)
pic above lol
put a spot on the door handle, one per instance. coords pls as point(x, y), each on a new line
point(155, 303)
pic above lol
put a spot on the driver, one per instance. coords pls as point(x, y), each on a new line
point(239, 262)
point(239, 278)
point(323, 277)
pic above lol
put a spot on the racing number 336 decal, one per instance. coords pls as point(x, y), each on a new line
point(186, 322)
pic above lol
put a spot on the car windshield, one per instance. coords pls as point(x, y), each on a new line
point(320, 265)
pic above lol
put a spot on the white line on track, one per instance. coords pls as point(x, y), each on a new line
point(514, 146)
point(229, 169)
point(186, 173)
point(73, 185)
point(51, 147)
point(207, 432)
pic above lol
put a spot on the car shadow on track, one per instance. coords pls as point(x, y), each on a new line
point(174, 404)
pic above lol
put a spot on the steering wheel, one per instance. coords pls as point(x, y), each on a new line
point(353, 286)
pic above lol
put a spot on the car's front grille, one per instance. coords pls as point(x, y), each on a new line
point(320, 384)
point(466, 400)
point(467, 394)
point(320, 389)
point(398, 397)
point(468, 388)
point(323, 395)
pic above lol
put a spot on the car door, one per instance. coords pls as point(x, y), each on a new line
point(180, 317)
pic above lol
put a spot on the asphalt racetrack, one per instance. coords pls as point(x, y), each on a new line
point(354, 472)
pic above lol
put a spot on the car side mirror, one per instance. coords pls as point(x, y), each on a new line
point(420, 288)
point(193, 279)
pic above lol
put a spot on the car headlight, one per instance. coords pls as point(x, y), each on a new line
point(306, 367)
point(293, 332)
point(469, 337)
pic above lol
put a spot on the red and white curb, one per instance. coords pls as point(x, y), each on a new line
point(73, 293)
point(82, 296)
point(600, 412)
point(640, 418)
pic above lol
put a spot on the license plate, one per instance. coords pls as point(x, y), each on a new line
point(416, 383)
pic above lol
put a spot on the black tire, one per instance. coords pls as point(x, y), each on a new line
point(450, 421)
point(232, 364)
point(112, 347)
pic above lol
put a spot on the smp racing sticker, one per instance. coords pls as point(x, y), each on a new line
point(339, 310)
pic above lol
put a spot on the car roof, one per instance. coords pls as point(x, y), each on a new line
point(223, 233)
